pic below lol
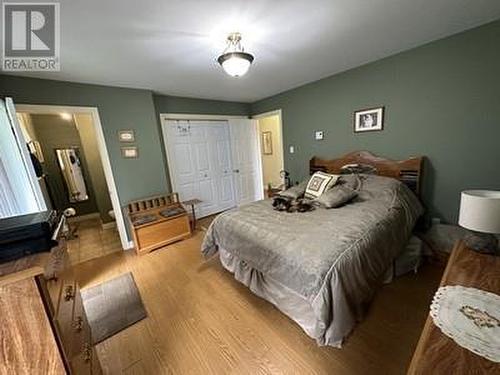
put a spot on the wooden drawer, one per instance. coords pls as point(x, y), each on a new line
point(51, 282)
point(51, 290)
point(96, 365)
point(81, 363)
point(86, 362)
point(160, 234)
point(72, 323)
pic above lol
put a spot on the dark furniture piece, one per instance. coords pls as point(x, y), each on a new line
point(27, 234)
point(192, 203)
point(408, 171)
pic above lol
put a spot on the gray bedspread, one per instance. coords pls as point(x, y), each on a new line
point(331, 259)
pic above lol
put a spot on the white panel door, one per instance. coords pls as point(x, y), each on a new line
point(221, 156)
point(200, 162)
point(246, 160)
point(202, 145)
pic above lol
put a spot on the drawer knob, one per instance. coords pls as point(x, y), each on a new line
point(78, 324)
point(69, 294)
point(87, 352)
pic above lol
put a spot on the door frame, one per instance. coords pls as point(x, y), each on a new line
point(275, 112)
point(164, 117)
point(103, 152)
point(28, 165)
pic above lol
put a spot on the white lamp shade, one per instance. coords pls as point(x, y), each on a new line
point(480, 211)
point(236, 66)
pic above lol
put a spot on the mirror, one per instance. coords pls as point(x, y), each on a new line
point(70, 166)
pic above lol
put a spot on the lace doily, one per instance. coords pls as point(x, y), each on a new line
point(471, 317)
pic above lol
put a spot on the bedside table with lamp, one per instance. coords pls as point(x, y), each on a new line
point(480, 214)
point(462, 332)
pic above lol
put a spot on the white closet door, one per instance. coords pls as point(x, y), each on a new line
point(200, 161)
point(220, 154)
point(246, 160)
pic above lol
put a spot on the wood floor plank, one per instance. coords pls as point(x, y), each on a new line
point(202, 321)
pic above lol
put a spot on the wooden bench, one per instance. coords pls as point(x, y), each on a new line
point(157, 221)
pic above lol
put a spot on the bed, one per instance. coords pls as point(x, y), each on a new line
point(322, 268)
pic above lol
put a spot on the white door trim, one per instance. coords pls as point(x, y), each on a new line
point(35, 186)
point(103, 151)
point(187, 116)
point(276, 112)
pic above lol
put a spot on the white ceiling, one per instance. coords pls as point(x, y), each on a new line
point(171, 46)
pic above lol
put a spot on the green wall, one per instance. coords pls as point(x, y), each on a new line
point(177, 104)
point(121, 108)
point(53, 133)
point(442, 100)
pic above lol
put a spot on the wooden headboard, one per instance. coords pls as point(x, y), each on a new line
point(408, 171)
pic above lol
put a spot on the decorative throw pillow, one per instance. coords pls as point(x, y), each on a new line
point(337, 196)
point(319, 183)
point(295, 192)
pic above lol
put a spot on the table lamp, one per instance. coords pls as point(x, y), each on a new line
point(480, 214)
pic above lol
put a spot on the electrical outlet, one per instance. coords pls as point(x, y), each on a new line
point(318, 135)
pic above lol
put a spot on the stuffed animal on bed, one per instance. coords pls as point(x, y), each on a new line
point(292, 205)
point(282, 203)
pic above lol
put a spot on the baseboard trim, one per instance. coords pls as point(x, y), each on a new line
point(76, 219)
point(130, 246)
point(110, 225)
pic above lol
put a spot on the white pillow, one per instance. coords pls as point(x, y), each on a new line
point(319, 183)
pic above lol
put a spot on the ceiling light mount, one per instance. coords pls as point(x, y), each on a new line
point(234, 60)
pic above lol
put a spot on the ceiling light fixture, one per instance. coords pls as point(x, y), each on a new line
point(234, 60)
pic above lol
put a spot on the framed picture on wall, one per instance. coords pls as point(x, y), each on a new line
point(267, 143)
point(368, 120)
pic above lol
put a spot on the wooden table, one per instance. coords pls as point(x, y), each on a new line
point(436, 353)
point(192, 203)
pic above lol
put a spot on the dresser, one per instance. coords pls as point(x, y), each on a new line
point(44, 328)
point(436, 353)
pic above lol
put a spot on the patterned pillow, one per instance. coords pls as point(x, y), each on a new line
point(319, 183)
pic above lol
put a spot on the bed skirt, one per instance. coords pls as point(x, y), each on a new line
point(286, 300)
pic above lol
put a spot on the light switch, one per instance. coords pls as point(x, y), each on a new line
point(318, 135)
point(292, 149)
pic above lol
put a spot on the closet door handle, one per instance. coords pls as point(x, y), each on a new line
point(236, 171)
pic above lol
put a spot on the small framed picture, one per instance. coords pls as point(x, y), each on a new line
point(130, 152)
point(126, 136)
point(267, 143)
point(368, 120)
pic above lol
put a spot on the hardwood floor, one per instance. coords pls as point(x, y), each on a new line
point(201, 321)
point(92, 241)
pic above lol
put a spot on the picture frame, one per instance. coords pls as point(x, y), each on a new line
point(267, 143)
point(130, 152)
point(126, 136)
point(369, 120)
